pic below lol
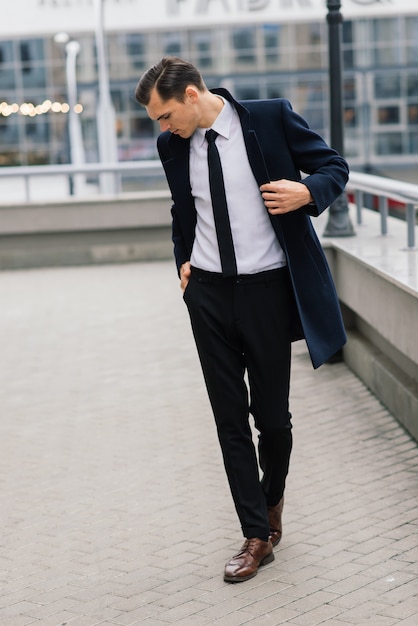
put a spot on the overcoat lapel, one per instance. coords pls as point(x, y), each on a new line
point(256, 158)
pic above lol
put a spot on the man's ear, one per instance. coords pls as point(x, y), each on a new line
point(192, 93)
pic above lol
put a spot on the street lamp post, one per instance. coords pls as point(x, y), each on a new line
point(106, 118)
point(339, 224)
point(75, 135)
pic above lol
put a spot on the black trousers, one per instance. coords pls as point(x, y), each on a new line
point(241, 327)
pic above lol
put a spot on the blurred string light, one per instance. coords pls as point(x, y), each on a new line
point(30, 110)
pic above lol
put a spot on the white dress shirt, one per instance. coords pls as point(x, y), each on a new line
point(256, 246)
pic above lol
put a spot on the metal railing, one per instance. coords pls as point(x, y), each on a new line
point(385, 189)
point(116, 171)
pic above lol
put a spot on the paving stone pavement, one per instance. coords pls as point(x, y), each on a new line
point(113, 500)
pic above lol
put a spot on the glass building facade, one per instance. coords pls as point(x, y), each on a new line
point(288, 60)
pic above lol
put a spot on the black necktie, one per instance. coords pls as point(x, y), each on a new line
point(220, 209)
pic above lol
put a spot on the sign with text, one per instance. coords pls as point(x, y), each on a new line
point(43, 17)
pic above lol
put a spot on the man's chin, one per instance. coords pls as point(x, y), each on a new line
point(183, 134)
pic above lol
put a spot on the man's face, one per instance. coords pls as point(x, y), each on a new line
point(180, 118)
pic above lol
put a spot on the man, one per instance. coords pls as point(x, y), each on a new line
point(253, 281)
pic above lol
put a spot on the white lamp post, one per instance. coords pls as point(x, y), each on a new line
point(106, 118)
point(77, 155)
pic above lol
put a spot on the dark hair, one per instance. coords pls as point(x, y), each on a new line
point(170, 77)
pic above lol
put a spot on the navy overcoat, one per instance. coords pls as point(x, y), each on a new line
point(279, 145)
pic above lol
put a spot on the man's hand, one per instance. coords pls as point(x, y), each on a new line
point(283, 196)
point(185, 272)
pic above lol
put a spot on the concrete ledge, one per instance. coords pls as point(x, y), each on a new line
point(385, 310)
point(85, 248)
point(394, 388)
point(132, 227)
point(132, 210)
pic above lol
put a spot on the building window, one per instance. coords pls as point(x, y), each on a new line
point(413, 143)
point(412, 88)
point(120, 99)
point(32, 62)
point(172, 44)
point(388, 143)
point(275, 90)
point(388, 115)
point(37, 129)
point(202, 47)
point(311, 102)
point(388, 40)
point(8, 131)
point(7, 75)
point(271, 43)
point(247, 92)
point(243, 40)
point(350, 118)
point(350, 90)
point(308, 48)
point(387, 87)
point(135, 49)
point(141, 132)
point(412, 40)
point(25, 58)
point(413, 114)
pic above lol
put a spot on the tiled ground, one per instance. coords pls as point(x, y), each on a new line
point(113, 501)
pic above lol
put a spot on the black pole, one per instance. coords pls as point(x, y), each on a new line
point(339, 224)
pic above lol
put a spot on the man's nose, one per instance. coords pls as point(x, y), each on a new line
point(164, 125)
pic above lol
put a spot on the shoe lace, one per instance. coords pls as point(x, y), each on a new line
point(248, 546)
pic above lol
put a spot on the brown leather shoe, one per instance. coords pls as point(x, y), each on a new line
point(245, 564)
point(275, 521)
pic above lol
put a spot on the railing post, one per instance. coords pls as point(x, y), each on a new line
point(359, 205)
point(27, 188)
point(339, 224)
point(411, 210)
point(383, 209)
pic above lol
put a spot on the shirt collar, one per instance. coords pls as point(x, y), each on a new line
point(222, 124)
